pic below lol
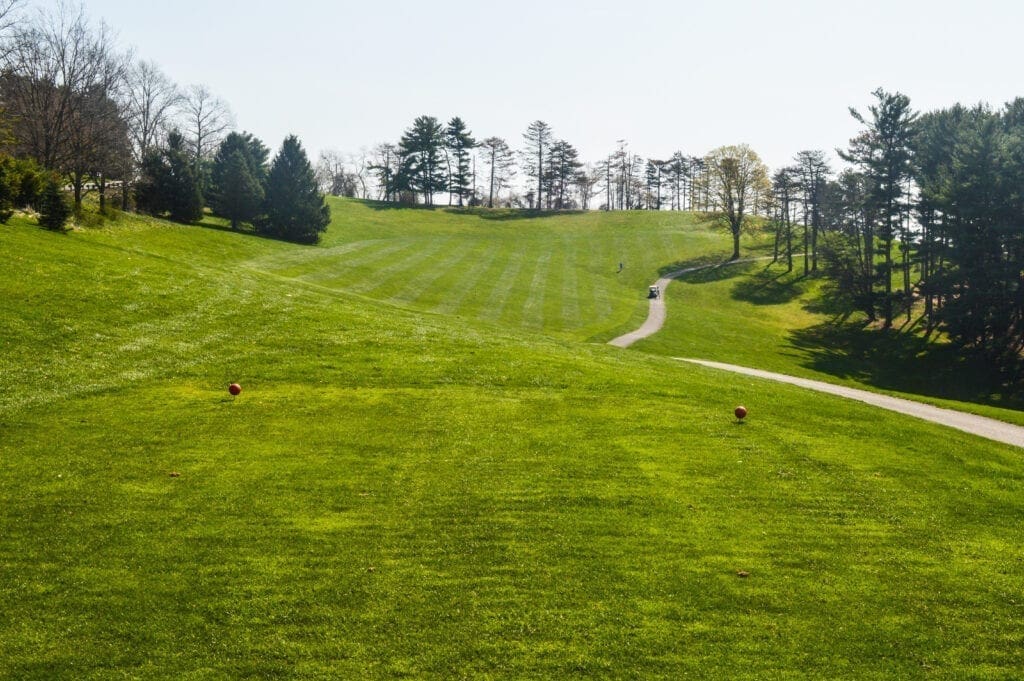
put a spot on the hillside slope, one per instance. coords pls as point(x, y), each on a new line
point(397, 494)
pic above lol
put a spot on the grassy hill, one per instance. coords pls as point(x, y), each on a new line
point(418, 481)
point(556, 274)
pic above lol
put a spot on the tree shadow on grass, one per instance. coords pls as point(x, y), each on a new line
point(720, 270)
point(509, 213)
point(700, 261)
point(770, 288)
point(500, 214)
point(902, 361)
point(209, 222)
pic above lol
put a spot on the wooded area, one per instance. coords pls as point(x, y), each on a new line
point(82, 115)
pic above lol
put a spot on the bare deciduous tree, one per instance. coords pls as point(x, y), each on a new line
point(333, 176)
point(500, 163)
point(62, 86)
point(10, 16)
point(208, 119)
point(151, 101)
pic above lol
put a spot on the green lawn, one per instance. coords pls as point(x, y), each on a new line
point(402, 492)
point(556, 274)
point(758, 315)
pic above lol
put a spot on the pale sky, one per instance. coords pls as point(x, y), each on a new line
point(663, 75)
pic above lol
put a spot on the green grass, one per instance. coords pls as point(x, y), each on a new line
point(556, 274)
point(758, 315)
point(402, 492)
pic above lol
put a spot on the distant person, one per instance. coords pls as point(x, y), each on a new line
point(620, 268)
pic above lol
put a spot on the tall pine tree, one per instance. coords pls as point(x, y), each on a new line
point(238, 178)
point(882, 152)
point(240, 194)
point(537, 138)
point(295, 209)
point(421, 168)
point(168, 185)
point(459, 142)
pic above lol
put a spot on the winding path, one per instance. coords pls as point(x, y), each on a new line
point(982, 426)
point(656, 313)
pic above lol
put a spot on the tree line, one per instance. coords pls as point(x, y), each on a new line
point(82, 115)
point(435, 159)
point(926, 222)
point(929, 221)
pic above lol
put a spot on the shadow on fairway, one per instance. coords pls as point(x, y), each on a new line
point(500, 214)
point(510, 213)
point(904, 362)
point(701, 261)
point(208, 222)
point(725, 271)
point(769, 287)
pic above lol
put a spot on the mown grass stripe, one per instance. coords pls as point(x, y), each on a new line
point(285, 261)
point(502, 286)
point(418, 254)
point(465, 282)
point(531, 315)
point(341, 274)
point(417, 287)
point(570, 298)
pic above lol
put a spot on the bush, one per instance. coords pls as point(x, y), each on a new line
point(21, 181)
point(54, 210)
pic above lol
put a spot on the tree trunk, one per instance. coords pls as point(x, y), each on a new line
point(888, 268)
point(490, 196)
point(778, 235)
point(814, 235)
point(540, 173)
point(77, 180)
point(789, 239)
point(807, 250)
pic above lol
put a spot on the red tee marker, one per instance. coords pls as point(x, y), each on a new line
point(740, 412)
point(234, 388)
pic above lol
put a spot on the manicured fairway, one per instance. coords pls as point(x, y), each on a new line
point(401, 492)
point(557, 274)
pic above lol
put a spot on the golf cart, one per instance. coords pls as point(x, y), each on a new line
point(654, 292)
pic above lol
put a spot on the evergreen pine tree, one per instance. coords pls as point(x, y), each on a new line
point(237, 192)
point(295, 209)
point(563, 165)
point(185, 199)
point(537, 138)
point(152, 188)
point(9, 187)
point(168, 185)
point(420, 167)
point(459, 143)
point(54, 210)
point(240, 194)
point(882, 151)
